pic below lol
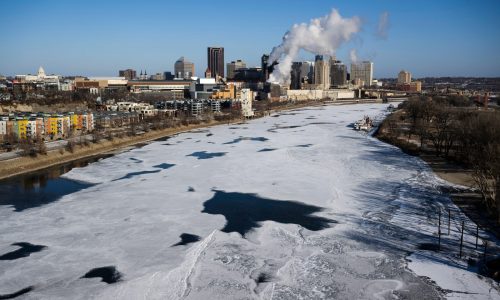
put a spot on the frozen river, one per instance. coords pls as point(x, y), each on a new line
point(295, 205)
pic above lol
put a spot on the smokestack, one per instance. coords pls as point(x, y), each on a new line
point(321, 36)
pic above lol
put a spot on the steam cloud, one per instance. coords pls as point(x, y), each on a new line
point(321, 36)
point(383, 25)
point(353, 55)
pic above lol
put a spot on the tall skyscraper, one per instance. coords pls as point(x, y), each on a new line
point(183, 68)
point(296, 76)
point(215, 61)
point(322, 72)
point(363, 72)
point(264, 63)
point(404, 77)
point(233, 66)
point(129, 74)
point(338, 74)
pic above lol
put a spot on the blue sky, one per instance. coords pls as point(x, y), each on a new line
point(97, 38)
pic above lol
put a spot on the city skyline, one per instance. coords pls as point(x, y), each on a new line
point(456, 39)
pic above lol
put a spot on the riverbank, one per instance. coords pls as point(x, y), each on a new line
point(467, 199)
point(22, 165)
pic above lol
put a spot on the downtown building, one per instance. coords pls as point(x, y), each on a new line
point(215, 61)
point(322, 72)
point(183, 69)
point(362, 73)
point(338, 74)
point(129, 74)
point(233, 66)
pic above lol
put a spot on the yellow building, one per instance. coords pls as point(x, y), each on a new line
point(76, 122)
point(22, 126)
point(229, 92)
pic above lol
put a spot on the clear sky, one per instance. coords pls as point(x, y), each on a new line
point(97, 37)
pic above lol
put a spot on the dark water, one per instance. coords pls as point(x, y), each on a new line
point(243, 212)
point(206, 155)
point(304, 145)
point(266, 149)
point(25, 250)
point(134, 174)
point(17, 294)
point(42, 187)
point(258, 139)
point(164, 166)
point(107, 274)
point(187, 238)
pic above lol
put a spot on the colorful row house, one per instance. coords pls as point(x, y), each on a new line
point(46, 126)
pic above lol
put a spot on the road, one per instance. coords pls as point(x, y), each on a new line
point(53, 145)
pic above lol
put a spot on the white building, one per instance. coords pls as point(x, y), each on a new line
point(67, 85)
point(41, 77)
point(319, 94)
point(362, 73)
point(246, 97)
point(31, 128)
point(3, 127)
point(111, 81)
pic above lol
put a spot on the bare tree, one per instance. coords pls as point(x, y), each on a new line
point(40, 145)
point(485, 158)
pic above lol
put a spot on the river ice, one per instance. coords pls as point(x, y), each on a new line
point(297, 205)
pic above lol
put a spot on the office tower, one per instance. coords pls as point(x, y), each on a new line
point(183, 68)
point(129, 74)
point(307, 72)
point(404, 77)
point(233, 66)
point(264, 63)
point(338, 74)
point(215, 60)
point(321, 72)
point(296, 76)
point(362, 72)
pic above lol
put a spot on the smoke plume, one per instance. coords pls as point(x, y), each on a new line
point(353, 56)
point(383, 25)
point(321, 36)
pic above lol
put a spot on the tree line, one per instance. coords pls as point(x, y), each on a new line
point(454, 128)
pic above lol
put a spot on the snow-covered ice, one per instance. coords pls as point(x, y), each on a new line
point(295, 205)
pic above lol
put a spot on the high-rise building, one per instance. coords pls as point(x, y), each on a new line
point(296, 76)
point(215, 61)
point(338, 74)
point(362, 72)
point(321, 72)
point(129, 74)
point(264, 64)
point(404, 77)
point(233, 66)
point(183, 68)
point(307, 72)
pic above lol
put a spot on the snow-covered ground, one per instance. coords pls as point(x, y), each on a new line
point(296, 205)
